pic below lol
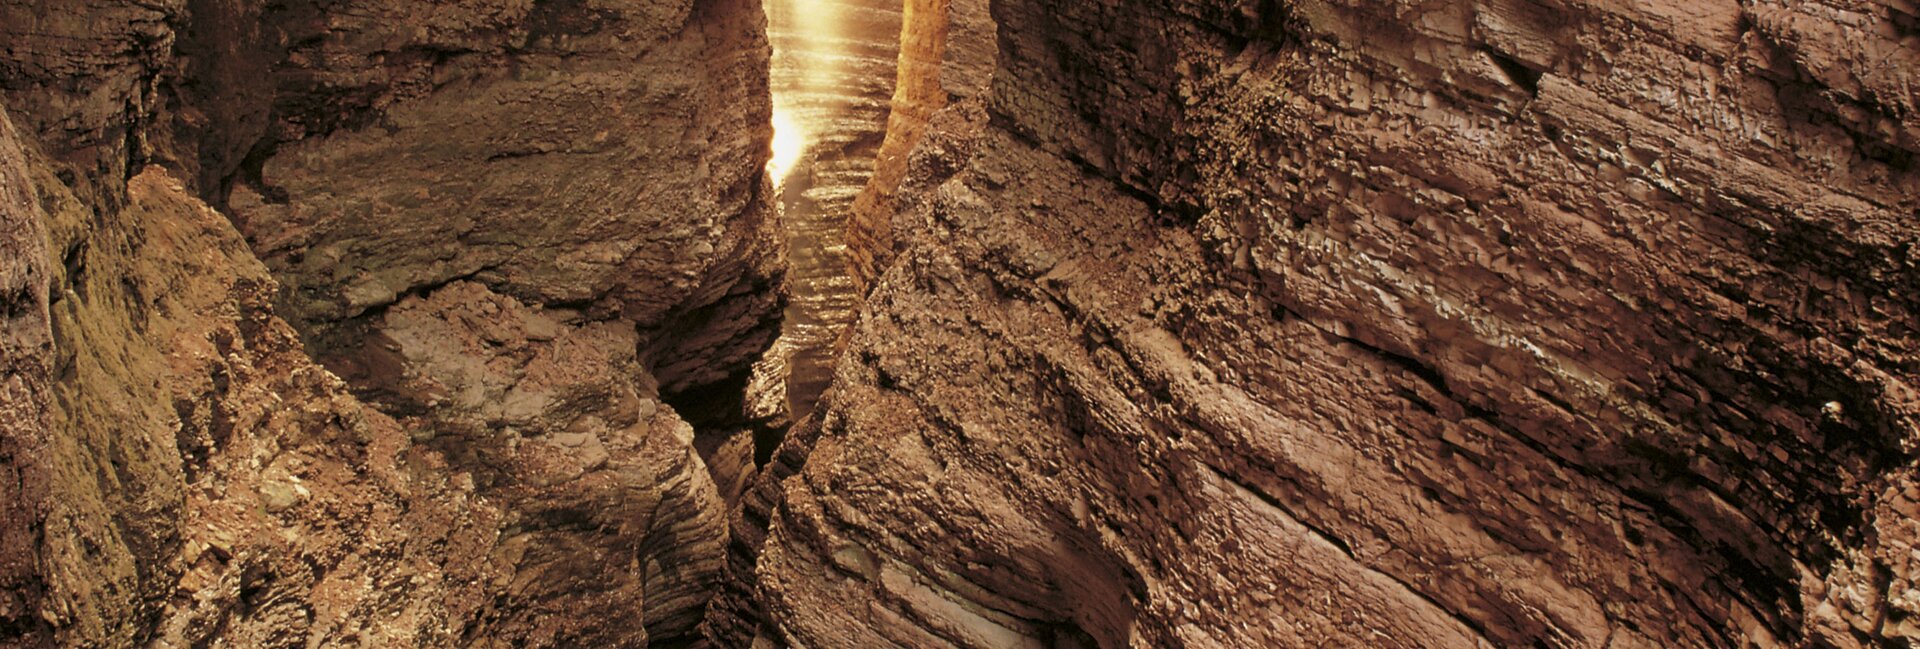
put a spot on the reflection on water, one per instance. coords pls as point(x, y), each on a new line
point(833, 74)
point(789, 144)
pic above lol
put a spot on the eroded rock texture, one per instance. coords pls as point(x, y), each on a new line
point(946, 52)
point(349, 324)
point(26, 350)
point(1384, 324)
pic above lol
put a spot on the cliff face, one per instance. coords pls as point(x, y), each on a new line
point(1385, 324)
point(26, 352)
point(1554, 323)
point(351, 324)
point(946, 52)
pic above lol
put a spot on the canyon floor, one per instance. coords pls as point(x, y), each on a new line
point(959, 323)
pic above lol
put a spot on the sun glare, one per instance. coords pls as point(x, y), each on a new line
point(789, 144)
point(806, 64)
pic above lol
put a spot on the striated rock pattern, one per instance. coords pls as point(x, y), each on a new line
point(275, 510)
point(1210, 323)
point(554, 420)
point(26, 351)
point(83, 80)
point(1385, 324)
point(513, 228)
point(174, 491)
point(946, 52)
point(556, 152)
point(833, 70)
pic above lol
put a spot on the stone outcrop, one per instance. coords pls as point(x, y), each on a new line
point(610, 513)
point(1385, 324)
point(946, 55)
point(500, 235)
point(26, 353)
point(171, 491)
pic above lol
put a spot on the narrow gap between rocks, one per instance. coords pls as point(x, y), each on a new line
point(832, 80)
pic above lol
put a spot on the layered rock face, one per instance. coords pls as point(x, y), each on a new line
point(26, 350)
point(1546, 323)
point(350, 324)
point(1384, 324)
point(946, 55)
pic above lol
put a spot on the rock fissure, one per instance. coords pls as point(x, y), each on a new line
point(1480, 635)
point(977, 323)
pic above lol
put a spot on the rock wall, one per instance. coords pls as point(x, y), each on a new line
point(501, 235)
point(26, 351)
point(946, 52)
point(1388, 324)
point(1555, 323)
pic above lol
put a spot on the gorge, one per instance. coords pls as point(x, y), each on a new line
point(973, 323)
point(832, 71)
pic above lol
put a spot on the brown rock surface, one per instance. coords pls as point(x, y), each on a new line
point(80, 78)
point(1405, 324)
point(946, 51)
point(197, 479)
point(26, 352)
point(187, 437)
point(513, 226)
point(306, 518)
point(557, 423)
point(562, 153)
point(833, 72)
point(1553, 323)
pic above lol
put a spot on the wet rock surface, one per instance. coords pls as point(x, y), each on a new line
point(1378, 324)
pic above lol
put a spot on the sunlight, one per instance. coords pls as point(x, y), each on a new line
point(806, 64)
point(789, 144)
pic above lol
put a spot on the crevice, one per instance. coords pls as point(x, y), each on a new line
point(834, 68)
point(1526, 78)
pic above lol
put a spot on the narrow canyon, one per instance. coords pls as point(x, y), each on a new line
point(959, 323)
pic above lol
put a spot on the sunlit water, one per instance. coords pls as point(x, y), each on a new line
point(833, 75)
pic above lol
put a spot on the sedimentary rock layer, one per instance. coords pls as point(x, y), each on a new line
point(946, 52)
point(1379, 323)
point(514, 229)
point(26, 351)
point(1386, 324)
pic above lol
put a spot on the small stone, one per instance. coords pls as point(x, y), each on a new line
point(280, 496)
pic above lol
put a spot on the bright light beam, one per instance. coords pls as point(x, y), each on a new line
point(805, 65)
point(789, 144)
